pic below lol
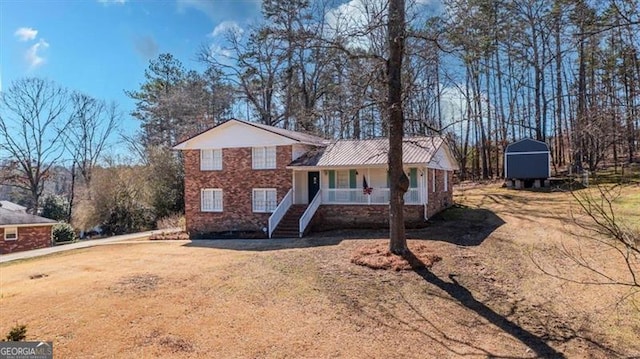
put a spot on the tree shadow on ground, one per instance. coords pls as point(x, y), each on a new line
point(466, 299)
point(260, 245)
point(459, 225)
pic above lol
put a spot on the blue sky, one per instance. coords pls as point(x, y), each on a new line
point(102, 47)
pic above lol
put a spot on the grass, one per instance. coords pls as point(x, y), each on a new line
point(486, 298)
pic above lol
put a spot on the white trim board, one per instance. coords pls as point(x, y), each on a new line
point(527, 153)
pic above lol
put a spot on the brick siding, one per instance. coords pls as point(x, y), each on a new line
point(237, 180)
point(439, 199)
point(333, 216)
point(28, 238)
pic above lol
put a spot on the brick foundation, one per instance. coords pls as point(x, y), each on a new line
point(28, 238)
point(237, 180)
point(333, 216)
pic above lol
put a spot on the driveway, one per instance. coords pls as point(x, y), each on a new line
point(68, 247)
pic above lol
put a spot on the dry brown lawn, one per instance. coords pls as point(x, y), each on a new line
point(305, 299)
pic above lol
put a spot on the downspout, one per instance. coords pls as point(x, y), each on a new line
point(426, 190)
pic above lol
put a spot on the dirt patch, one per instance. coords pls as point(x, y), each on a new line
point(138, 283)
point(38, 276)
point(378, 256)
point(175, 344)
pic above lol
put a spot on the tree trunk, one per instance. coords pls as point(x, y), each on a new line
point(399, 182)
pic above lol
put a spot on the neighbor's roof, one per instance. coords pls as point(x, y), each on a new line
point(8, 217)
point(12, 206)
point(369, 152)
point(293, 135)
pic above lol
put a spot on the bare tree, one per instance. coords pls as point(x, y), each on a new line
point(596, 215)
point(33, 118)
point(93, 123)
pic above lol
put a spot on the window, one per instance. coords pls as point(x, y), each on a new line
point(211, 200)
point(446, 180)
point(263, 157)
point(264, 200)
point(433, 171)
point(343, 179)
point(210, 160)
point(11, 233)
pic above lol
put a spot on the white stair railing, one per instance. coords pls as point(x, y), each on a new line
point(280, 211)
point(309, 212)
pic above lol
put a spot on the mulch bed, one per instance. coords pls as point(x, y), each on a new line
point(169, 236)
point(378, 257)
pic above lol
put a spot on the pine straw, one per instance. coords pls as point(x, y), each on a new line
point(377, 256)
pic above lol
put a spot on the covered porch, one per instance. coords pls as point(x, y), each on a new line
point(355, 186)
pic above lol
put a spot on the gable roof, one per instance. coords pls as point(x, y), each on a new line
point(12, 206)
point(294, 136)
point(527, 145)
point(415, 150)
point(8, 218)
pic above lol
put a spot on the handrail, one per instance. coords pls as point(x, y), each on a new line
point(306, 217)
point(377, 196)
point(280, 211)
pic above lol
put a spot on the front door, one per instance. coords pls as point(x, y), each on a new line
point(314, 184)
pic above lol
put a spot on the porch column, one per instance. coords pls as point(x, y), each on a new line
point(368, 181)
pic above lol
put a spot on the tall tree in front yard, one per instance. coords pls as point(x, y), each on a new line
point(399, 181)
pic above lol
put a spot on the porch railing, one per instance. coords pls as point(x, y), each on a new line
point(357, 196)
point(280, 211)
point(306, 217)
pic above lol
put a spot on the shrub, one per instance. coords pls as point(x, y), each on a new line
point(17, 333)
point(175, 220)
point(63, 232)
point(55, 207)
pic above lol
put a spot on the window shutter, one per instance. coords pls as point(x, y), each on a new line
point(352, 179)
point(413, 177)
point(332, 179)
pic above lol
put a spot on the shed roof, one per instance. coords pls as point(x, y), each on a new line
point(527, 145)
point(369, 152)
point(8, 218)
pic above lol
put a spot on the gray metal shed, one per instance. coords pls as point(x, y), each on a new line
point(527, 159)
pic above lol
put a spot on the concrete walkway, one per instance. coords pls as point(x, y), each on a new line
point(81, 244)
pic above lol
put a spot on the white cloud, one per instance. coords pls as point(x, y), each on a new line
point(356, 20)
point(107, 2)
point(225, 27)
point(26, 33)
point(34, 54)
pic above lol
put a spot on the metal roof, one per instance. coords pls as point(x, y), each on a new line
point(8, 218)
point(415, 150)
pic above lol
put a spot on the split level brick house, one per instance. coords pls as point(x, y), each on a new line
point(20, 231)
point(248, 177)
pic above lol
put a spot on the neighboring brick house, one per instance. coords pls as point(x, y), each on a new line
point(248, 177)
point(20, 231)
